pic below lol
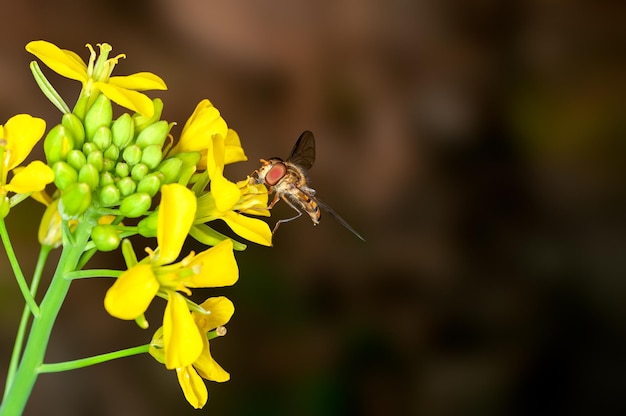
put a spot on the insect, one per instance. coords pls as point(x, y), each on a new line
point(288, 180)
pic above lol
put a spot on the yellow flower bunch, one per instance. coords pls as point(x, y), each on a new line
point(118, 177)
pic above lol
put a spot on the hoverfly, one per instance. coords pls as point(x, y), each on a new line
point(288, 180)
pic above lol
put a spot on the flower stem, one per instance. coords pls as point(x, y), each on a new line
point(15, 265)
point(97, 359)
point(21, 331)
point(36, 345)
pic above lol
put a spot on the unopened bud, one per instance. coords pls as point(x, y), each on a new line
point(58, 143)
point(89, 147)
point(102, 138)
point(147, 227)
point(75, 200)
point(132, 154)
point(106, 178)
point(99, 114)
point(138, 172)
point(122, 170)
point(112, 152)
point(127, 186)
point(153, 134)
point(76, 159)
point(150, 184)
point(170, 168)
point(64, 175)
point(96, 159)
point(109, 195)
point(123, 130)
point(105, 237)
point(152, 155)
point(89, 175)
point(74, 125)
point(135, 205)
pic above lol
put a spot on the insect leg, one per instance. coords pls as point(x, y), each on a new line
point(287, 219)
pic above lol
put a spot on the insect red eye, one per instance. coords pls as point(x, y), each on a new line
point(275, 174)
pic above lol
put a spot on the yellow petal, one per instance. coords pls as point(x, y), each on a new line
point(193, 387)
point(32, 178)
point(182, 340)
point(233, 152)
point(133, 100)
point(208, 368)
point(218, 267)
point(251, 229)
point(141, 81)
point(21, 133)
point(204, 123)
point(225, 192)
point(132, 292)
point(61, 61)
point(221, 309)
point(176, 214)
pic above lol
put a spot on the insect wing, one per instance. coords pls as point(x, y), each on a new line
point(338, 217)
point(303, 153)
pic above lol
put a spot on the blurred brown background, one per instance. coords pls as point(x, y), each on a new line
point(477, 145)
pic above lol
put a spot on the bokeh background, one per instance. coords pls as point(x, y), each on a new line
point(478, 145)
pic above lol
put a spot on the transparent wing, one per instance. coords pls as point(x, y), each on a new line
point(337, 217)
point(303, 153)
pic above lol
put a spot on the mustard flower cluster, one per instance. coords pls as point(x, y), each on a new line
point(119, 176)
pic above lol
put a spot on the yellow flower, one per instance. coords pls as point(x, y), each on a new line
point(133, 291)
point(17, 139)
point(210, 324)
point(228, 200)
point(205, 123)
point(96, 75)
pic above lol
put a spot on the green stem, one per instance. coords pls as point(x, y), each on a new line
point(97, 359)
point(17, 271)
point(21, 331)
point(84, 274)
point(47, 88)
point(32, 359)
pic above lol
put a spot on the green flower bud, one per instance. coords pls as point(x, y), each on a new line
point(150, 184)
point(126, 186)
point(108, 165)
point(152, 155)
point(5, 206)
point(170, 168)
point(89, 174)
point(132, 155)
point(76, 159)
point(141, 122)
point(106, 178)
point(58, 143)
point(189, 158)
point(99, 114)
point(138, 172)
point(96, 159)
point(135, 205)
point(109, 195)
point(75, 200)
point(90, 148)
point(64, 175)
point(112, 152)
point(123, 130)
point(105, 237)
point(122, 170)
point(103, 138)
point(153, 134)
point(73, 124)
point(147, 227)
